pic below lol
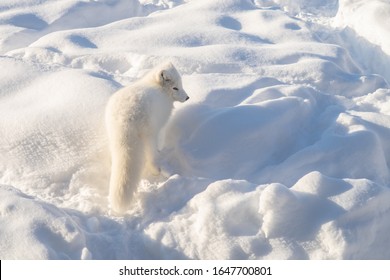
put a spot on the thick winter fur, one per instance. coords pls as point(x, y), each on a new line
point(134, 117)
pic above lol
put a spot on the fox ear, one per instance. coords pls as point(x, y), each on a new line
point(163, 77)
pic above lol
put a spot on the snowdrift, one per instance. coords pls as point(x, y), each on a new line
point(282, 151)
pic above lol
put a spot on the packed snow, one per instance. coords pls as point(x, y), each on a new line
point(282, 152)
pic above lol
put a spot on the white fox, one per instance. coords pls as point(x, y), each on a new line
point(134, 117)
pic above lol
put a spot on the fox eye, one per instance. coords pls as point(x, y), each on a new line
point(175, 88)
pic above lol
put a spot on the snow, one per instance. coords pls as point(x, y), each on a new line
point(282, 152)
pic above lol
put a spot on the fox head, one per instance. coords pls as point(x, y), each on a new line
point(170, 80)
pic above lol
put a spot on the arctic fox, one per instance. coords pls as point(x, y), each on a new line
point(134, 116)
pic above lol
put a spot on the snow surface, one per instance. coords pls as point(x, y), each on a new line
point(282, 151)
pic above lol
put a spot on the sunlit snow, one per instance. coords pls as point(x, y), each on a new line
point(282, 152)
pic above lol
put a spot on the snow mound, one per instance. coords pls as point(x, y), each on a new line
point(282, 152)
point(369, 19)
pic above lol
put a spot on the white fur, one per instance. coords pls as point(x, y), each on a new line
point(134, 117)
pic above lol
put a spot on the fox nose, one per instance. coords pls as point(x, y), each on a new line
point(187, 98)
